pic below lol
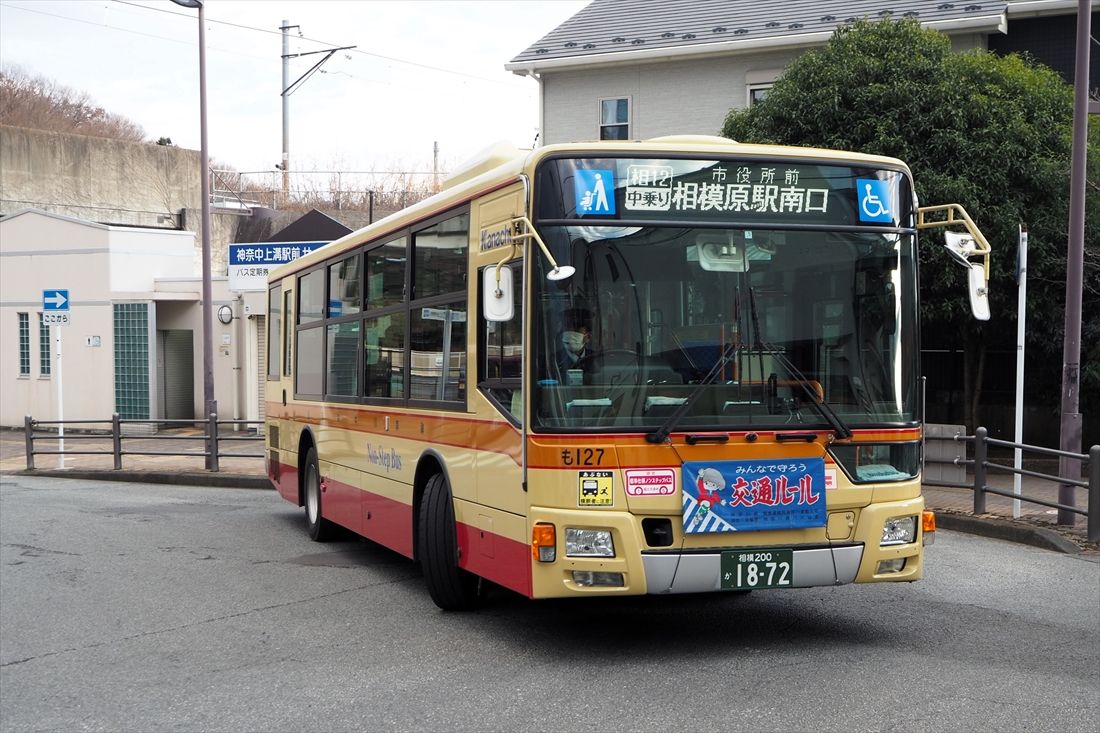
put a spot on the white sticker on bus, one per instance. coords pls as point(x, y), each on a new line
point(650, 482)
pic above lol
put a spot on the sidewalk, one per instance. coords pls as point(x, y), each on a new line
point(953, 507)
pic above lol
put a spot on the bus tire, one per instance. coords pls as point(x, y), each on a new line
point(451, 587)
point(320, 529)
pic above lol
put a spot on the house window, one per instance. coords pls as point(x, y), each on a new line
point(615, 119)
point(43, 347)
point(24, 345)
point(757, 92)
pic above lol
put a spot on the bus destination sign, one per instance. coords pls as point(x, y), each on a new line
point(762, 189)
point(730, 190)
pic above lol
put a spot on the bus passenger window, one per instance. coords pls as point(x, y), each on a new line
point(384, 354)
point(288, 332)
point(274, 329)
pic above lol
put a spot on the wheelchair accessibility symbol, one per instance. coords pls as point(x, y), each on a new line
point(874, 200)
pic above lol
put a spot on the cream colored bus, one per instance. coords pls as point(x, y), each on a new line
point(619, 368)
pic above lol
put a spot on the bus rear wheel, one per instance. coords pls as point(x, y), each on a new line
point(451, 587)
point(320, 529)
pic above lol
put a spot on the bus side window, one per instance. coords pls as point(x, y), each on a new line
point(288, 331)
point(274, 330)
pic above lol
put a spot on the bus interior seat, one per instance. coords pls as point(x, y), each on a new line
point(661, 406)
point(588, 408)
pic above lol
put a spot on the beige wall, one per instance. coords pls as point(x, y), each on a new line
point(667, 97)
point(179, 307)
point(100, 266)
point(101, 180)
point(37, 253)
point(95, 178)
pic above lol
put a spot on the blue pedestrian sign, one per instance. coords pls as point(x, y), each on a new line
point(55, 301)
point(595, 191)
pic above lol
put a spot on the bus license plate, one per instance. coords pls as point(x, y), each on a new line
point(752, 569)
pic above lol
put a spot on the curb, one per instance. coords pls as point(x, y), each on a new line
point(1006, 529)
point(216, 480)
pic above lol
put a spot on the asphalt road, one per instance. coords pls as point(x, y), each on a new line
point(131, 607)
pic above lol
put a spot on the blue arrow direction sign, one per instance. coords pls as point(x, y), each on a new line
point(55, 301)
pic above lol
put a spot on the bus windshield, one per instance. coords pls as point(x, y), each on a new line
point(739, 327)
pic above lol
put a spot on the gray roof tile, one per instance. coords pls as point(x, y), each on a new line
point(618, 26)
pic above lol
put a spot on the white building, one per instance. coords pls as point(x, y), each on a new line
point(133, 344)
point(636, 69)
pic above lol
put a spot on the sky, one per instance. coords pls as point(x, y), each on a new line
point(422, 72)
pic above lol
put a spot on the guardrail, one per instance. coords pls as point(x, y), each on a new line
point(212, 438)
point(981, 466)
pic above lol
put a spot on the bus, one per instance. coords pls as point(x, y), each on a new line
point(678, 365)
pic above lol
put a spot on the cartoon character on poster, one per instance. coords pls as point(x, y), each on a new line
point(710, 483)
point(738, 496)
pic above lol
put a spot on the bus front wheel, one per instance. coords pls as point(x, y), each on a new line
point(451, 587)
point(320, 529)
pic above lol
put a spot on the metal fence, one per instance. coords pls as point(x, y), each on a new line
point(214, 436)
point(208, 445)
point(982, 466)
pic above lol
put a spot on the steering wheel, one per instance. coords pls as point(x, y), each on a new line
point(620, 366)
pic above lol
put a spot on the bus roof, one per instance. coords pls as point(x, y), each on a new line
point(502, 164)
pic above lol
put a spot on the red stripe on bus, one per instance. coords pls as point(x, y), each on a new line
point(389, 522)
point(495, 557)
point(379, 518)
point(285, 479)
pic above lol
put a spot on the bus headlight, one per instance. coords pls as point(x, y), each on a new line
point(588, 542)
point(899, 531)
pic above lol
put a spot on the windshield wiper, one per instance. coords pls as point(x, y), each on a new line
point(839, 428)
point(660, 435)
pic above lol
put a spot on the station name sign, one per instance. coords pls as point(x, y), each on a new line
point(249, 264)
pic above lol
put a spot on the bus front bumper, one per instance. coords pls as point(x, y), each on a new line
point(700, 572)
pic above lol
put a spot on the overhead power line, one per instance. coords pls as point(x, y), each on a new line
point(97, 24)
point(370, 54)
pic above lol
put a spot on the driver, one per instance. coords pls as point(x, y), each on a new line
point(575, 350)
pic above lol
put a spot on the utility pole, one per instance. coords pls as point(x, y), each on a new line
point(1021, 321)
point(285, 166)
point(209, 401)
point(435, 165)
point(289, 88)
point(1070, 434)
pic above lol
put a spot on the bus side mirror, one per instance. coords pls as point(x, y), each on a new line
point(960, 246)
point(496, 294)
point(979, 291)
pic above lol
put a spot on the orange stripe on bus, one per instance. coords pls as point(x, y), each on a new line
point(494, 436)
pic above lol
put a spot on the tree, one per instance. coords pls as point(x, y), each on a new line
point(42, 104)
point(989, 132)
